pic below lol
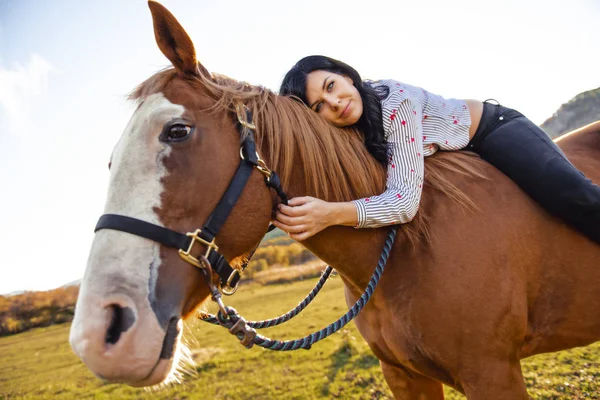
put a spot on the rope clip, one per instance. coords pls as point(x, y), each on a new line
point(243, 332)
point(240, 328)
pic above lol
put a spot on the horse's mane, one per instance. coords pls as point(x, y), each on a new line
point(335, 161)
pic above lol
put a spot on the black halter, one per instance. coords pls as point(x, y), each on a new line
point(229, 277)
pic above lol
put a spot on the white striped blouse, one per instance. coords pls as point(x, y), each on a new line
point(416, 124)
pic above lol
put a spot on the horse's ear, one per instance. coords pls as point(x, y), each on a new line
point(174, 42)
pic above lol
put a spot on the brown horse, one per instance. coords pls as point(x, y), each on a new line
point(470, 287)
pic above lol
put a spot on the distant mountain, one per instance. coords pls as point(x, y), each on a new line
point(15, 293)
point(73, 283)
point(18, 292)
point(581, 110)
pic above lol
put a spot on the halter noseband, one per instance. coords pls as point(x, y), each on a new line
point(229, 276)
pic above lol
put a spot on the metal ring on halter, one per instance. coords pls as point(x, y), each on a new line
point(242, 153)
point(228, 290)
point(213, 284)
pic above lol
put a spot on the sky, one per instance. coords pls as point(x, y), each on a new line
point(66, 67)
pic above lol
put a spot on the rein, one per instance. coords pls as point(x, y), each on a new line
point(229, 318)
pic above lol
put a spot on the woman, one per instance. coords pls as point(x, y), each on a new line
point(402, 124)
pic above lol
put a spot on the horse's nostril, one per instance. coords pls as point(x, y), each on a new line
point(122, 318)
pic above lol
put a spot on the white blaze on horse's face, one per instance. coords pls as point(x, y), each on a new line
point(137, 161)
point(115, 331)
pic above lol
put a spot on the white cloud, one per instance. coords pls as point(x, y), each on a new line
point(21, 85)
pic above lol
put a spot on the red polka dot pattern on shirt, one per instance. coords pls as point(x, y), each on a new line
point(416, 123)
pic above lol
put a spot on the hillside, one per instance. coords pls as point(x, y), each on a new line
point(579, 111)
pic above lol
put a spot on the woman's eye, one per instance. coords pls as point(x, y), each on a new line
point(178, 131)
point(318, 107)
point(330, 86)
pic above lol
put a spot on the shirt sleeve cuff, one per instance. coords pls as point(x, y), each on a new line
point(361, 213)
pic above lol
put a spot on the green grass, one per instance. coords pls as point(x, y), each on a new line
point(39, 364)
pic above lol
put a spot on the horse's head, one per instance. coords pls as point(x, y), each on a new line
point(171, 167)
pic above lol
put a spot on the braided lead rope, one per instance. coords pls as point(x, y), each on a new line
point(306, 342)
point(211, 318)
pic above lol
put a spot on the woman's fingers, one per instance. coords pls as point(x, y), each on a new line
point(298, 201)
point(297, 229)
point(300, 236)
point(291, 211)
point(281, 217)
point(296, 206)
point(289, 228)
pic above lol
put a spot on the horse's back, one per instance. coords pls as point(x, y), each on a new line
point(582, 147)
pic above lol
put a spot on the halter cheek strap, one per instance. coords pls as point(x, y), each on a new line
point(229, 276)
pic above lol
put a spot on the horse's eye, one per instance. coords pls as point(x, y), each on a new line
point(178, 131)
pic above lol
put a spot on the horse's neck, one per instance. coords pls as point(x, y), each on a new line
point(353, 253)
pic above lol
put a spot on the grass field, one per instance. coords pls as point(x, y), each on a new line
point(39, 364)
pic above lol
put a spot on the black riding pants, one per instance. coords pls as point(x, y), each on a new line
point(525, 153)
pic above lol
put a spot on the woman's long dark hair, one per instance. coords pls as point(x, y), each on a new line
point(369, 123)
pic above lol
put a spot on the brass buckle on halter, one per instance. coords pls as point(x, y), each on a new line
point(228, 290)
point(239, 110)
point(187, 256)
point(247, 124)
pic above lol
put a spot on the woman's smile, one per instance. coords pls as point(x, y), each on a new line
point(345, 111)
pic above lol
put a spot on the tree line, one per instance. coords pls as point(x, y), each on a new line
point(35, 309)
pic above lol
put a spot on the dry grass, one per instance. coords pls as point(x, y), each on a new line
point(276, 275)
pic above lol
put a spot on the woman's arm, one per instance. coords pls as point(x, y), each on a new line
point(400, 201)
point(306, 216)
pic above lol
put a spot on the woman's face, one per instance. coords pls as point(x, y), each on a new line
point(334, 97)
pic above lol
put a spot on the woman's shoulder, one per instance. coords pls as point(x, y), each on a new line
point(395, 92)
point(386, 90)
point(398, 90)
point(389, 83)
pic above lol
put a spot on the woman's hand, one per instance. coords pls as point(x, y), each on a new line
point(306, 216)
